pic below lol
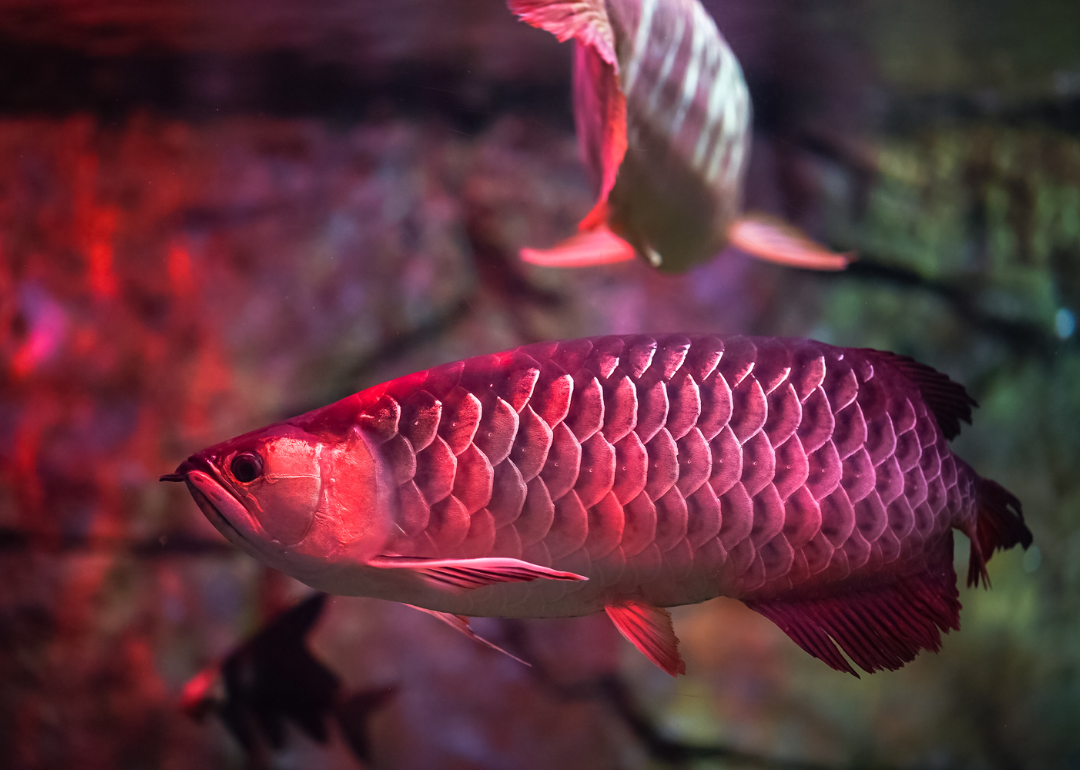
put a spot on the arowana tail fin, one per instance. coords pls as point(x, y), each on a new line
point(999, 524)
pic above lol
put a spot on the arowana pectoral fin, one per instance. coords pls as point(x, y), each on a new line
point(461, 623)
point(649, 629)
point(586, 249)
point(770, 239)
point(467, 574)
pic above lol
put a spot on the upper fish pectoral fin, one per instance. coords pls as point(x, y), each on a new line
point(585, 249)
point(467, 574)
point(649, 629)
point(882, 627)
point(461, 623)
point(772, 240)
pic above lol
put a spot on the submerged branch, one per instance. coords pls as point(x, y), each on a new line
point(612, 691)
point(164, 546)
point(1021, 336)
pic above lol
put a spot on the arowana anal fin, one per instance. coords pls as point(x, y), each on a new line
point(585, 249)
point(467, 574)
point(649, 629)
point(461, 623)
point(770, 239)
point(880, 627)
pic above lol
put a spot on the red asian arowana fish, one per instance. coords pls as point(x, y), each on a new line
point(627, 474)
point(663, 121)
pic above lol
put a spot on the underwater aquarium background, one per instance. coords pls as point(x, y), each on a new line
point(214, 215)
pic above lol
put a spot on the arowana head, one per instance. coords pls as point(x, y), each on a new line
point(301, 503)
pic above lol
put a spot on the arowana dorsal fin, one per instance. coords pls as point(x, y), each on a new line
point(600, 117)
point(948, 400)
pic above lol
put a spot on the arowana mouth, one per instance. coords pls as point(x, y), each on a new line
point(202, 469)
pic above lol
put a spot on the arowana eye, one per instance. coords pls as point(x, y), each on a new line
point(246, 467)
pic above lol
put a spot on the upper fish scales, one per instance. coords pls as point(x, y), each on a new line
point(670, 469)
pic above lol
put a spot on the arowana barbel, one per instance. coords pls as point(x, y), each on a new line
point(627, 474)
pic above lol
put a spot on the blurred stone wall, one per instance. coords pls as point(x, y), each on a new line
point(187, 254)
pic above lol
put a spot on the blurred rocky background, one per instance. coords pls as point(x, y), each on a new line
point(218, 214)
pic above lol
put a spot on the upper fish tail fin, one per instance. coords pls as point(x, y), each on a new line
point(772, 240)
point(999, 524)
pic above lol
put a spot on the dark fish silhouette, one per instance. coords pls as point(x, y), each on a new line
point(273, 679)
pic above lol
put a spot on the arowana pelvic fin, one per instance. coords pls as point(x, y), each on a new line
point(649, 629)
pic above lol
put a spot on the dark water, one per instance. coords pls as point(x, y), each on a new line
point(214, 216)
